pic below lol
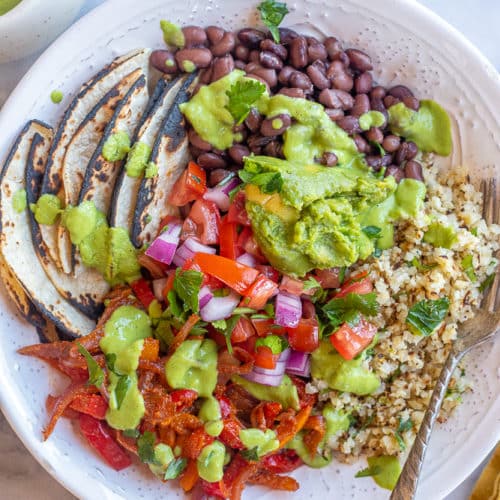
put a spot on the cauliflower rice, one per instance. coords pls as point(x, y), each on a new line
point(409, 364)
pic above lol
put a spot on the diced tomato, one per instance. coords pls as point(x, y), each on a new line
point(237, 212)
point(265, 358)
point(257, 295)
point(235, 275)
point(91, 404)
point(189, 186)
point(143, 292)
point(189, 229)
point(305, 336)
point(268, 272)
point(265, 327)
point(183, 398)
point(271, 410)
point(99, 437)
point(226, 407)
point(328, 278)
point(228, 239)
point(217, 490)
point(291, 285)
point(167, 220)
point(282, 462)
point(247, 243)
point(205, 214)
point(218, 337)
point(351, 340)
point(249, 344)
point(230, 434)
point(242, 331)
point(150, 349)
point(360, 287)
point(195, 442)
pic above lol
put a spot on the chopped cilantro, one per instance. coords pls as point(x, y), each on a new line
point(268, 182)
point(146, 448)
point(122, 386)
point(404, 425)
point(310, 283)
point(175, 468)
point(131, 433)
point(272, 13)
point(468, 268)
point(219, 324)
point(369, 471)
point(473, 231)
point(187, 285)
point(96, 373)
point(110, 361)
point(251, 455)
point(338, 311)
point(425, 316)
point(276, 343)
point(487, 282)
point(373, 232)
point(242, 95)
point(421, 267)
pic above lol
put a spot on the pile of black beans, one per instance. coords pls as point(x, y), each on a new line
point(298, 66)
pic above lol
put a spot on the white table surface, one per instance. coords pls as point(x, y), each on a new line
point(20, 475)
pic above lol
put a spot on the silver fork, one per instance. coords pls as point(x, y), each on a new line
point(482, 328)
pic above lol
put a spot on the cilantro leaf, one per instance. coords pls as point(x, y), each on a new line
point(230, 325)
point(175, 468)
point(339, 311)
point(373, 232)
point(110, 361)
point(96, 373)
point(468, 268)
point(242, 95)
point(251, 455)
point(310, 283)
point(404, 425)
point(175, 304)
point(421, 267)
point(425, 316)
point(487, 282)
point(268, 182)
point(187, 285)
point(146, 448)
point(342, 273)
point(131, 433)
point(121, 389)
point(272, 13)
point(369, 471)
point(219, 324)
point(276, 343)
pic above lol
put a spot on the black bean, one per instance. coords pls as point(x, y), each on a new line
point(374, 161)
point(251, 37)
point(391, 143)
point(191, 59)
point(292, 92)
point(257, 142)
point(211, 161)
point(206, 75)
point(333, 47)
point(254, 56)
point(339, 76)
point(316, 51)
point(396, 172)
point(274, 148)
point(411, 102)
point(222, 66)
point(401, 154)
point(359, 60)
point(344, 59)
point(198, 142)
point(317, 75)
point(270, 60)
point(329, 159)
point(217, 175)
point(276, 125)
point(238, 152)
point(334, 114)
point(269, 75)
point(275, 48)
point(287, 35)
point(350, 124)
point(164, 61)
point(298, 52)
point(253, 120)
point(361, 144)
point(375, 135)
point(225, 45)
point(377, 104)
point(239, 64)
point(378, 92)
point(413, 170)
point(390, 100)
point(334, 98)
point(252, 66)
point(361, 105)
point(214, 34)
point(411, 150)
point(301, 81)
point(195, 152)
point(194, 36)
point(241, 52)
point(284, 75)
point(363, 83)
point(400, 91)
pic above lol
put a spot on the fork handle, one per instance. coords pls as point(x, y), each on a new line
point(406, 486)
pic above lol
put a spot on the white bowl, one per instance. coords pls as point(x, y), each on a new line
point(32, 24)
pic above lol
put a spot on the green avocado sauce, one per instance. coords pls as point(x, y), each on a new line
point(19, 201)
point(116, 146)
point(285, 394)
point(151, 170)
point(210, 414)
point(342, 375)
point(137, 159)
point(163, 456)
point(172, 34)
point(429, 127)
point(389, 470)
point(46, 209)
point(371, 119)
point(194, 366)
point(262, 441)
point(439, 235)
point(56, 96)
point(6, 5)
point(210, 463)
point(124, 335)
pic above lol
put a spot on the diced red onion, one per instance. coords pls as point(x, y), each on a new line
point(285, 355)
point(158, 287)
point(183, 253)
point(219, 307)
point(220, 198)
point(299, 363)
point(247, 259)
point(187, 250)
point(164, 246)
point(288, 310)
point(196, 247)
point(227, 186)
point(264, 378)
point(204, 296)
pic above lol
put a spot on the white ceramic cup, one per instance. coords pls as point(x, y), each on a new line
point(32, 24)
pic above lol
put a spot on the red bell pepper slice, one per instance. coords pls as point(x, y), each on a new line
point(235, 275)
point(99, 437)
point(91, 404)
point(351, 340)
point(259, 293)
point(283, 462)
point(228, 239)
point(143, 292)
point(305, 336)
point(230, 434)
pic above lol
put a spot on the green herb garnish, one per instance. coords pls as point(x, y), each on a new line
point(242, 96)
point(251, 455)
point(487, 282)
point(425, 316)
point(122, 386)
point(276, 343)
point(311, 283)
point(421, 267)
point(131, 433)
point(175, 468)
point(404, 425)
point(468, 268)
point(146, 448)
point(187, 285)
point(272, 13)
point(369, 471)
point(96, 373)
point(344, 309)
point(373, 232)
point(268, 182)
